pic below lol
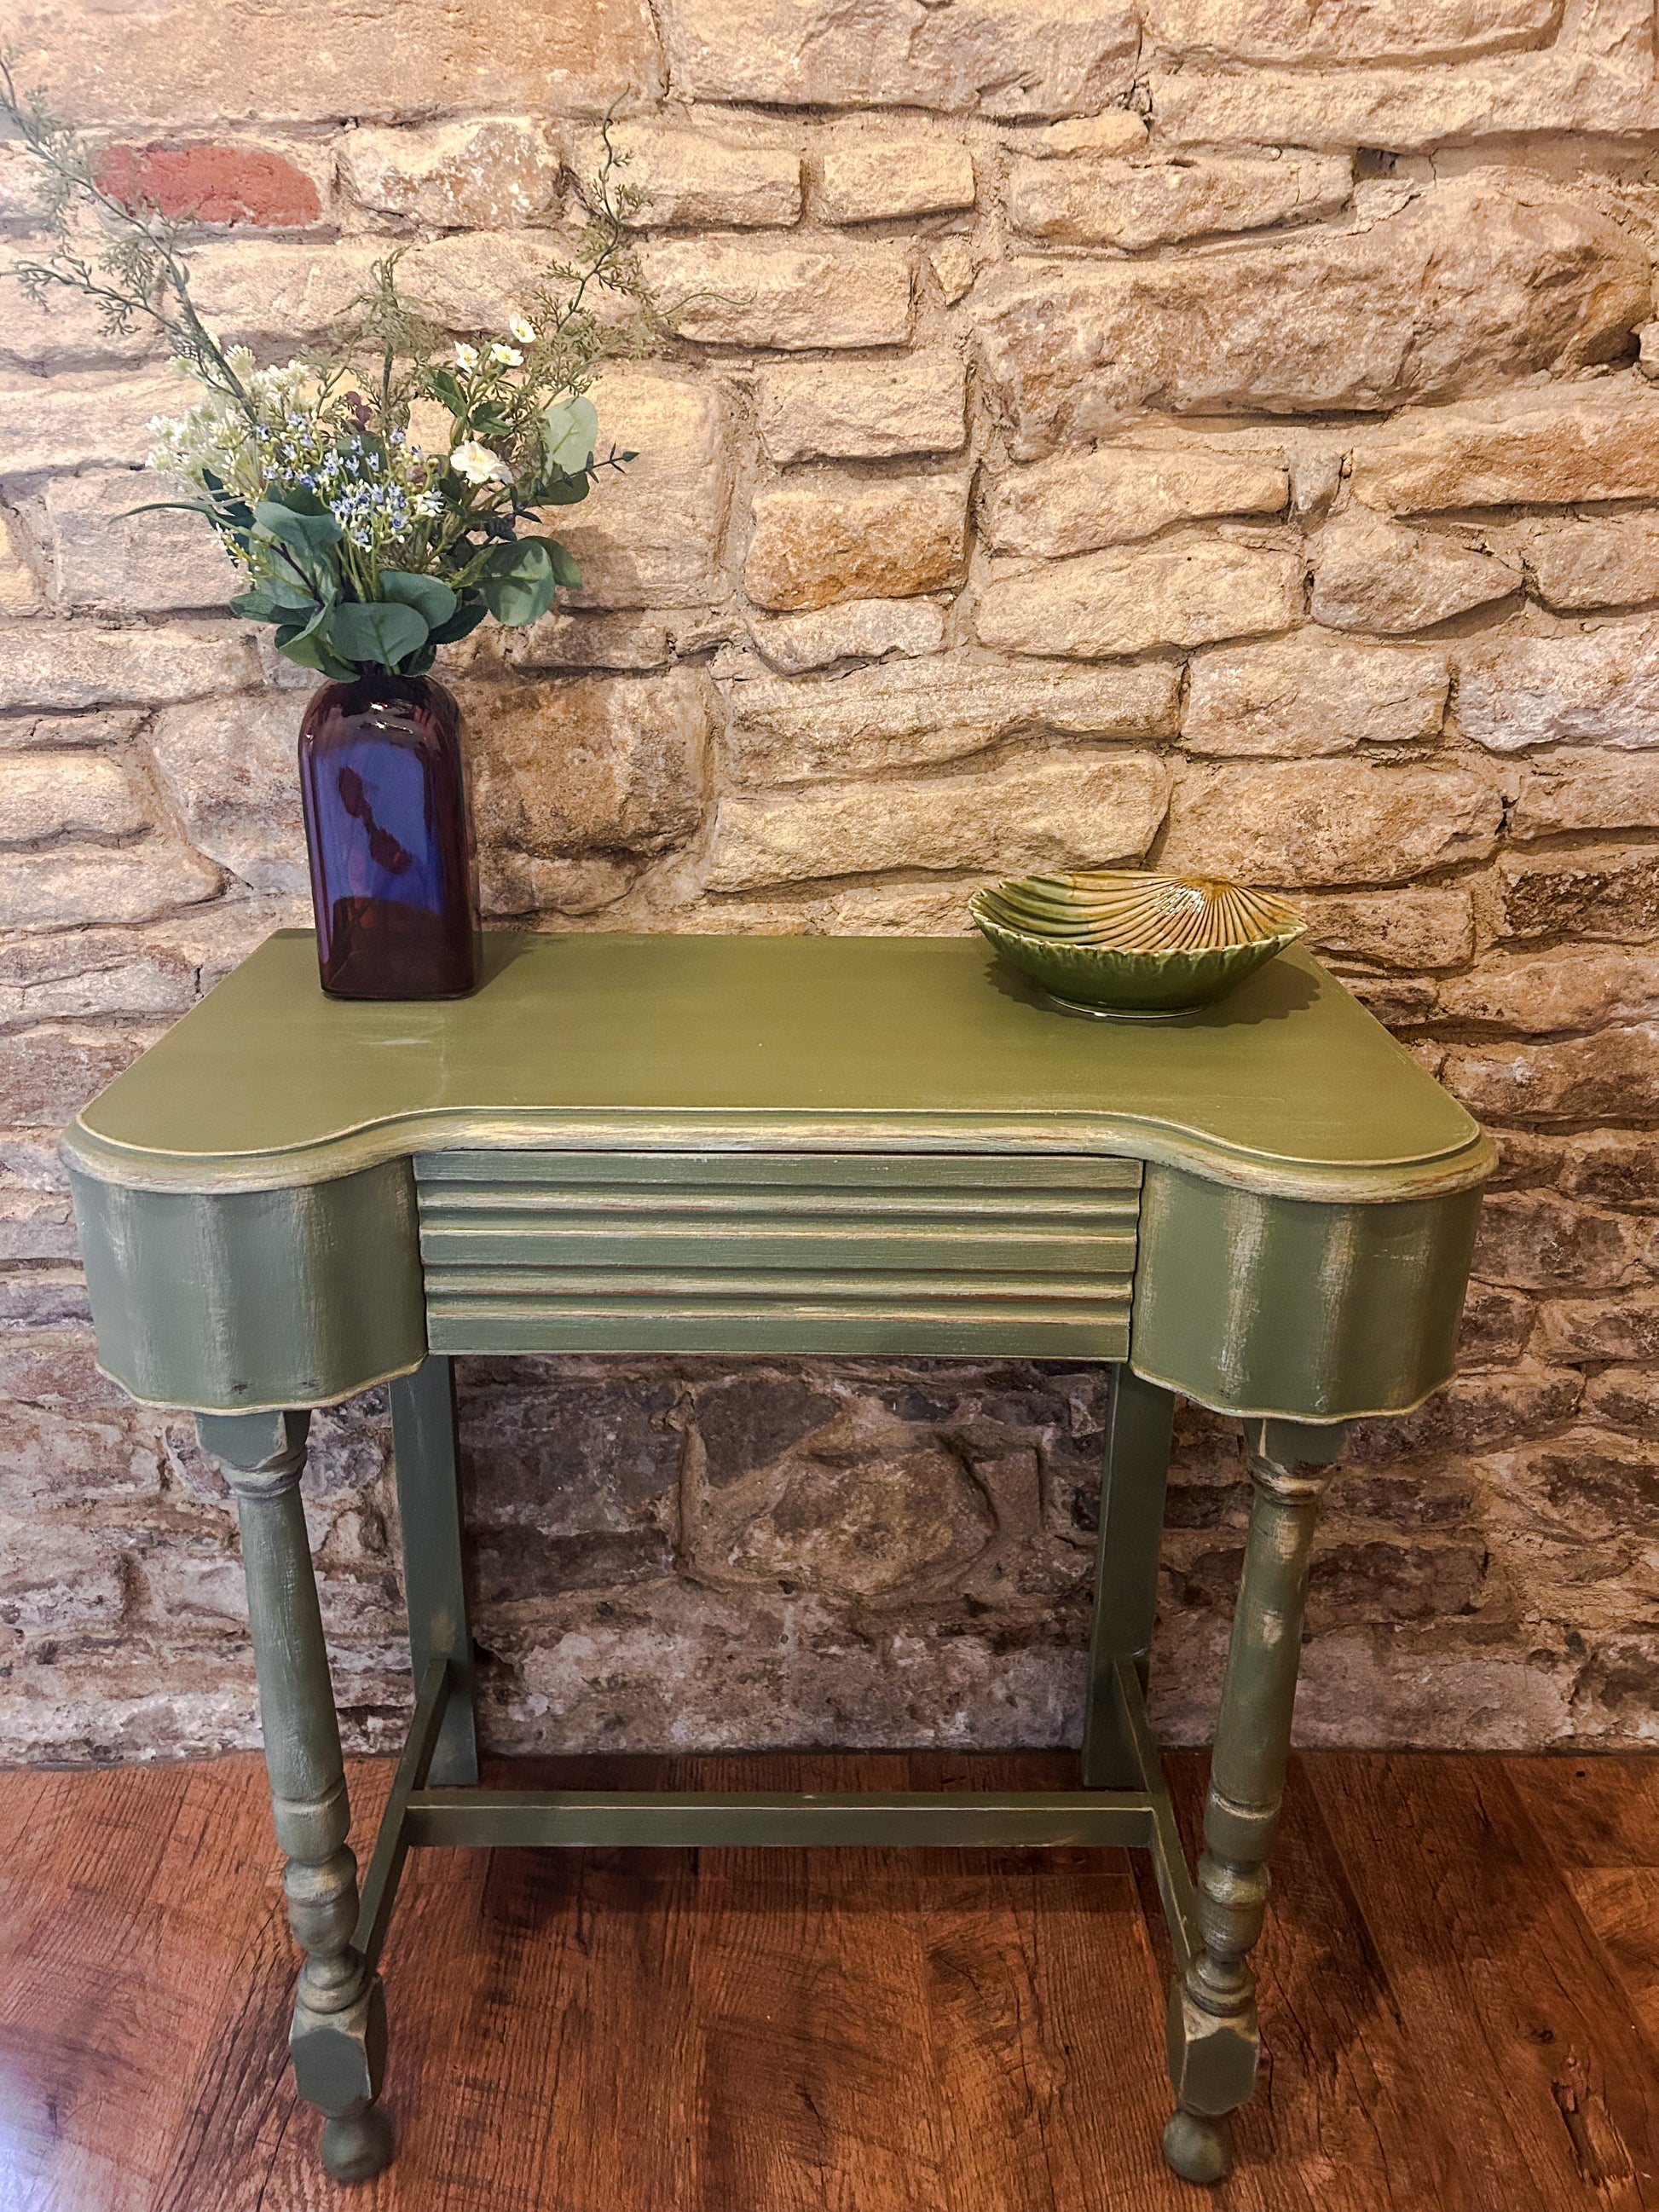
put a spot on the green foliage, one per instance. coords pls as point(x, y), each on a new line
point(359, 548)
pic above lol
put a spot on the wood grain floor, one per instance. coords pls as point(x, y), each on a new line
point(1460, 1995)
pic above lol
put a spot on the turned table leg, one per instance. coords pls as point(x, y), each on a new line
point(337, 2042)
point(1214, 2041)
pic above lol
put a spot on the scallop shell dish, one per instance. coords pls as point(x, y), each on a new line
point(1135, 945)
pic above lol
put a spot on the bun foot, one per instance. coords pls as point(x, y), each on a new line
point(1198, 2148)
point(357, 2147)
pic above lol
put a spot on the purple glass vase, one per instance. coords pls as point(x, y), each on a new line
point(390, 847)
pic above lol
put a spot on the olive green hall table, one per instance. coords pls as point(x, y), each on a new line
point(740, 1145)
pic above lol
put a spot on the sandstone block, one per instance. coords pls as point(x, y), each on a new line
point(1352, 31)
point(1375, 575)
point(1313, 693)
point(1462, 291)
point(700, 177)
point(868, 175)
point(1587, 792)
point(1525, 1158)
point(651, 537)
point(36, 1225)
point(87, 974)
point(1403, 111)
point(865, 410)
point(570, 766)
point(1611, 1076)
point(66, 335)
point(1032, 57)
point(624, 642)
point(1613, 1167)
point(1496, 1325)
point(1591, 687)
point(229, 765)
point(1119, 130)
point(1534, 1240)
point(1101, 202)
point(68, 887)
point(1622, 1328)
point(1055, 811)
point(48, 1074)
point(1599, 446)
point(475, 280)
point(70, 665)
point(1477, 1412)
point(1625, 1398)
point(1577, 562)
point(1428, 927)
point(911, 713)
point(858, 630)
point(1607, 892)
point(831, 294)
point(271, 294)
point(106, 560)
point(495, 174)
point(1187, 592)
point(19, 588)
point(1578, 988)
point(19, 186)
point(954, 263)
point(915, 1512)
point(230, 183)
point(56, 795)
point(1078, 503)
point(274, 296)
point(893, 538)
point(1398, 1002)
point(72, 422)
point(1329, 822)
point(195, 63)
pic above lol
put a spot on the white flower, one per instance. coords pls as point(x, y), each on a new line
point(478, 465)
point(466, 356)
point(522, 329)
point(509, 356)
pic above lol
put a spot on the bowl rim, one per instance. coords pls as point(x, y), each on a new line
point(1278, 939)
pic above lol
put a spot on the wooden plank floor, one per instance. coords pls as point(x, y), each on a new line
point(1459, 1992)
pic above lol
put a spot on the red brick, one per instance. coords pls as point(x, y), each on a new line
point(217, 184)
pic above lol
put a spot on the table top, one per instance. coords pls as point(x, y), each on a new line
point(763, 1043)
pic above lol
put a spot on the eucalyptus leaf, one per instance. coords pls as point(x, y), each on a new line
point(429, 595)
point(518, 580)
point(276, 602)
point(465, 620)
point(305, 533)
point(561, 490)
point(307, 650)
point(377, 630)
point(568, 431)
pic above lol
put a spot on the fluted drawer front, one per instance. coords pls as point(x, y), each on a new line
point(778, 1252)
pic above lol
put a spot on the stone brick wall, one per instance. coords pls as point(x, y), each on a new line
point(1198, 431)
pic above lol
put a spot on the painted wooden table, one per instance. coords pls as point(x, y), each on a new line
point(740, 1145)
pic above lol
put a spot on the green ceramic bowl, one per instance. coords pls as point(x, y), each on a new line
point(1083, 938)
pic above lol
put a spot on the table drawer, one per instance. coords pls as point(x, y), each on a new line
point(778, 1252)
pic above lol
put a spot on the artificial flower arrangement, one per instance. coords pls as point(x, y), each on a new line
point(360, 548)
point(366, 549)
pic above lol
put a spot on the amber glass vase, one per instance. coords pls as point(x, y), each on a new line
point(391, 873)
